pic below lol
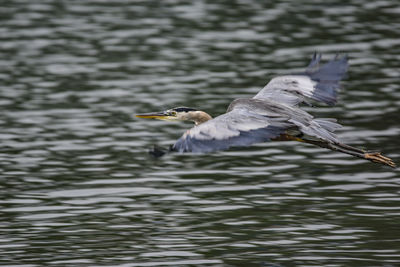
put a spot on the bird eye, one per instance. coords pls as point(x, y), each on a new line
point(173, 113)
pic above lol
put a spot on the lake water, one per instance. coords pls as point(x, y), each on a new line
point(78, 187)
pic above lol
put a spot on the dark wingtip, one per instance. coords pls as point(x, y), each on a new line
point(327, 76)
point(316, 58)
point(157, 152)
point(345, 58)
point(338, 57)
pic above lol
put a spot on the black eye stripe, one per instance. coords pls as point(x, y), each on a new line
point(184, 109)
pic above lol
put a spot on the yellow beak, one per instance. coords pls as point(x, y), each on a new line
point(154, 115)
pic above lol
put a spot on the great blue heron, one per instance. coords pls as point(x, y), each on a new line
point(272, 115)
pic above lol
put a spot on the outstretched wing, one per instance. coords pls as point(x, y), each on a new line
point(272, 111)
point(319, 83)
point(239, 127)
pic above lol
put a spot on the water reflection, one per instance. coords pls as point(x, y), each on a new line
point(78, 187)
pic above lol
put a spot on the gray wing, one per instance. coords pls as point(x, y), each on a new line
point(239, 127)
point(319, 83)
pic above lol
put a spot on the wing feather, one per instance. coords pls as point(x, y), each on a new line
point(238, 127)
point(272, 112)
point(319, 83)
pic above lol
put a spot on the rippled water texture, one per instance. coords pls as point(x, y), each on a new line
point(78, 187)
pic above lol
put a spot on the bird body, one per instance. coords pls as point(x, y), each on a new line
point(273, 114)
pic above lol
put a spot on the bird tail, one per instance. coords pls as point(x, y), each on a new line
point(376, 157)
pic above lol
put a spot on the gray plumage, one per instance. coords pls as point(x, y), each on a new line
point(272, 111)
point(273, 114)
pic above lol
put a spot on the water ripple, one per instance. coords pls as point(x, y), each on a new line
point(79, 188)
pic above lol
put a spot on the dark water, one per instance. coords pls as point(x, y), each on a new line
point(79, 189)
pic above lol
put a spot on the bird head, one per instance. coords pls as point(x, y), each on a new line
point(174, 114)
point(178, 114)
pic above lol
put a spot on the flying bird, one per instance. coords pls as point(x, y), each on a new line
point(273, 114)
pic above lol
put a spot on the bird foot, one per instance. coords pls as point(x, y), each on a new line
point(378, 158)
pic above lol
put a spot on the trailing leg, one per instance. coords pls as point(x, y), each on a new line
point(371, 156)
